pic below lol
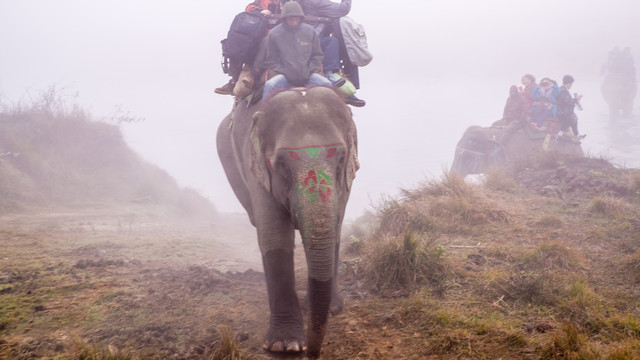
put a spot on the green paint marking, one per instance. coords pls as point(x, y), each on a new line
point(313, 152)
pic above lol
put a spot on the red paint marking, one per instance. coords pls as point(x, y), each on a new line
point(294, 155)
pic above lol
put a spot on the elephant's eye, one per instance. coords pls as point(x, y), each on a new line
point(281, 168)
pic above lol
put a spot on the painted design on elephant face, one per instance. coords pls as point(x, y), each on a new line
point(316, 186)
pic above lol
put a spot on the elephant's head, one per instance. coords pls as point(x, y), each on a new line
point(478, 150)
point(305, 155)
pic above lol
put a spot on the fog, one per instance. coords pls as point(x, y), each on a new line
point(438, 68)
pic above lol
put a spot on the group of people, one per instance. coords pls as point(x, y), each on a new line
point(304, 48)
point(541, 104)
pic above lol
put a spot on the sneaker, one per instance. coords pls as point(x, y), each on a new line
point(336, 80)
point(226, 89)
point(354, 101)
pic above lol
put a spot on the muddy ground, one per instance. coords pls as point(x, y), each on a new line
point(140, 282)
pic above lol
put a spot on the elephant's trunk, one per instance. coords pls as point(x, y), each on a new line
point(318, 215)
point(319, 301)
point(319, 236)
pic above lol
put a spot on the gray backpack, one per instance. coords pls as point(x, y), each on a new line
point(355, 41)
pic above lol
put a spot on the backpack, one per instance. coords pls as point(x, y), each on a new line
point(355, 41)
point(245, 34)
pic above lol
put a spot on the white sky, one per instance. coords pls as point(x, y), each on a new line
point(439, 67)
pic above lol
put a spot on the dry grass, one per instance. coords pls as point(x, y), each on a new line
point(100, 352)
point(631, 266)
point(610, 207)
point(447, 206)
point(403, 263)
point(228, 348)
point(568, 343)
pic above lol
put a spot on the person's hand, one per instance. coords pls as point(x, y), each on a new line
point(265, 12)
point(579, 96)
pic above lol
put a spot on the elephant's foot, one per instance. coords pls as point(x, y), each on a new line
point(285, 338)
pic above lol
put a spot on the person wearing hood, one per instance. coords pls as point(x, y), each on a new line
point(293, 53)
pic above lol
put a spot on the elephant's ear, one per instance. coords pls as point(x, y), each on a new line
point(352, 157)
point(257, 160)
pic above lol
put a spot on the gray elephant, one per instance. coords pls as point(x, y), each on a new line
point(484, 147)
point(291, 163)
point(619, 91)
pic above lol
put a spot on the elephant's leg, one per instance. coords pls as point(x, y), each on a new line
point(276, 235)
point(286, 332)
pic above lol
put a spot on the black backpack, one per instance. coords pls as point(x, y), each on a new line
point(245, 34)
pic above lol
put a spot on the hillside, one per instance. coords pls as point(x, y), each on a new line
point(53, 155)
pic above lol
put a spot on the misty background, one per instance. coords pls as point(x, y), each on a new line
point(439, 67)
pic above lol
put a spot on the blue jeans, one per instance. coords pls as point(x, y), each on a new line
point(331, 49)
point(280, 82)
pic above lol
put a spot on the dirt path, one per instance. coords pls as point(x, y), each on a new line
point(132, 279)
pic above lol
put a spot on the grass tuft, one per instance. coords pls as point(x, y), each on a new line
point(227, 348)
point(568, 343)
point(100, 352)
point(404, 263)
point(608, 206)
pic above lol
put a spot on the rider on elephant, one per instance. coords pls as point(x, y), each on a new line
point(544, 98)
point(236, 65)
point(514, 116)
point(566, 107)
point(332, 41)
point(529, 82)
point(293, 53)
point(515, 107)
point(620, 62)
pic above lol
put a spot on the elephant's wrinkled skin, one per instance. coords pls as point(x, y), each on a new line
point(291, 163)
point(619, 90)
point(481, 148)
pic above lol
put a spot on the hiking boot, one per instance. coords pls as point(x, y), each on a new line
point(354, 101)
point(226, 89)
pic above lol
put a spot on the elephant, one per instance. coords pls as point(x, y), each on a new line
point(619, 91)
point(482, 148)
point(291, 162)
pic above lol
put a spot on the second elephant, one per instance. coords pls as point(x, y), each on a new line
point(481, 148)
